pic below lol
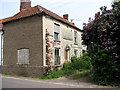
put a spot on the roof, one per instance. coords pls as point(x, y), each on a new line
point(1, 25)
point(37, 10)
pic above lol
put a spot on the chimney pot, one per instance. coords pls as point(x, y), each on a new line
point(65, 16)
point(25, 4)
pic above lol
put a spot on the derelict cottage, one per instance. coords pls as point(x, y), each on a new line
point(36, 37)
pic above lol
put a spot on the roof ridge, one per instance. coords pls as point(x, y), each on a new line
point(56, 15)
point(37, 10)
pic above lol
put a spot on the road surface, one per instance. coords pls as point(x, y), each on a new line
point(0, 68)
point(22, 82)
point(12, 82)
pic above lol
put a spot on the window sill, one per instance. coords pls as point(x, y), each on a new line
point(57, 41)
point(23, 63)
point(75, 43)
point(54, 66)
point(58, 65)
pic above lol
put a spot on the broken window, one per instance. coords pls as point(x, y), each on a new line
point(23, 56)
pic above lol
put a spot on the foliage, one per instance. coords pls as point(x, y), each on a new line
point(81, 63)
point(102, 36)
point(8, 74)
point(82, 74)
point(76, 65)
point(59, 73)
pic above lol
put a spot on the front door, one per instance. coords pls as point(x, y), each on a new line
point(66, 56)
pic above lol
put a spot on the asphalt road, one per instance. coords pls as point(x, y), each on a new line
point(22, 82)
point(0, 68)
point(12, 82)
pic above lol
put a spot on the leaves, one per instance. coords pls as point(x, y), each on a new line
point(102, 36)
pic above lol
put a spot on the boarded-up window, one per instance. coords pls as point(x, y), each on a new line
point(23, 56)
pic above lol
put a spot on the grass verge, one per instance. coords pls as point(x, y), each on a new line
point(60, 73)
point(82, 74)
point(8, 74)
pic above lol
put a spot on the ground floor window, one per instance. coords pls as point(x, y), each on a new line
point(75, 52)
point(83, 51)
point(57, 56)
point(23, 56)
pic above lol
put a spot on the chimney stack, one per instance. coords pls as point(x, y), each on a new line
point(25, 4)
point(65, 16)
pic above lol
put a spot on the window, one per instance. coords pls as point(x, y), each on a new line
point(23, 56)
point(56, 36)
point(75, 37)
point(83, 51)
point(75, 52)
point(57, 57)
point(56, 31)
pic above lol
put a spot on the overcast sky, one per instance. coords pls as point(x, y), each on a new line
point(79, 10)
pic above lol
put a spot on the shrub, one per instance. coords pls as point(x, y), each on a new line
point(76, 65)
point(79, 63)
point(102, 37)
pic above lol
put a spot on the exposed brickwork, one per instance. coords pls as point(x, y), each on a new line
point(25, 4)
point(49, 53)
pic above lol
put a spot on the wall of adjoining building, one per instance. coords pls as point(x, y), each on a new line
point(66, 39)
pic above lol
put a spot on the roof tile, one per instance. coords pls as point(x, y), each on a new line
point(36, 10)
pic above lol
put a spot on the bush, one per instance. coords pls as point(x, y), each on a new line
point(106, 70)
point(79, 63)
point(102, 37)
point(76, 65)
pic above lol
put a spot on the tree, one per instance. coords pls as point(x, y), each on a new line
point(102, 36)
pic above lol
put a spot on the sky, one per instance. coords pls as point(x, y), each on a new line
point(79, 10)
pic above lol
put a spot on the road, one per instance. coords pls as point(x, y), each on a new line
point(12, 82)
point(0, 68)
point(22, 82)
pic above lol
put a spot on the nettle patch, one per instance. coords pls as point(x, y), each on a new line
point(102, 36)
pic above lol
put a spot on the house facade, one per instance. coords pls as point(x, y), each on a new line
point(35, 38)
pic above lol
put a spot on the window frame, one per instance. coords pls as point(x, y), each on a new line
point(75, 52)
point(75, 37)
point(57, 31)
point(58, 56)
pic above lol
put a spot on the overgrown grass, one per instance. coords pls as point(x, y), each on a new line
point(74, 67)
point(82, 74)
point(59, 73)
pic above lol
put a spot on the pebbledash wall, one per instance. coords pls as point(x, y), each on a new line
point(66, 39)
point(23, 33)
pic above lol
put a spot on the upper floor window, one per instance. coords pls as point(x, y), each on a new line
point(23, 56)
point(56, 31)
point(75, 37)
